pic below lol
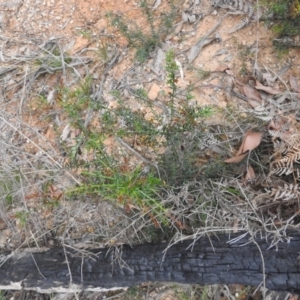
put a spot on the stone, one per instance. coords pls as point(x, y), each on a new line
point(153, 92)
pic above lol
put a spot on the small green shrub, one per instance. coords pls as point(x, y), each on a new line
point(286, 17)
point(146, 40)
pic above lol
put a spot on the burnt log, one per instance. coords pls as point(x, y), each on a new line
point(205, 261)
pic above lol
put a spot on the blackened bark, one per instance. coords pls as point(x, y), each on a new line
point(209, 261)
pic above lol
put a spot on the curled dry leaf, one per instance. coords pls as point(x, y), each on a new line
point(269, 89)
point(235, 159)
point(250, 142)
point(250, 174)
point(252, 93)
point(179, 27)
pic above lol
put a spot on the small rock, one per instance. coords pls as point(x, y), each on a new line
point(153, 93)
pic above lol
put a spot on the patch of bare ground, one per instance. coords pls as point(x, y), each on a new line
point(48, 49)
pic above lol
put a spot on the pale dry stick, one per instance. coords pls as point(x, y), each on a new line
point(35, 131)
point(23, 90)
point(34, 239)
point(232, 241)
point(81, 268)
point(143, 159)
point(38, 147)
point(22, 190)
point(62, 63)
point(292, 217)
point(127, 227)
point(211, 215)
point(249, 202)
point(259, 220)
point(257, 38)
point(31, 185)
point(68, 264)
point(146, 161)
point(114, 59)
point(137, 230)
point(37, 266)
point(46, 69)
point(18, 83)
point(194, 51)
point(7, 70)
point(227, 293)
point(225, 108)
point(90, 255)
point(98, 94)
point(264, 268)
point(117, 257)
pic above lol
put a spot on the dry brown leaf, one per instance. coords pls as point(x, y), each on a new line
point(253, 103)
point(269, 89)
point(240, 151)
point(244, 148)
point(294, 83)
point(250, 175)
point(248, 91)
point(252, 93)
point(235, 159)
point(252, 140)
point(178, 27)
